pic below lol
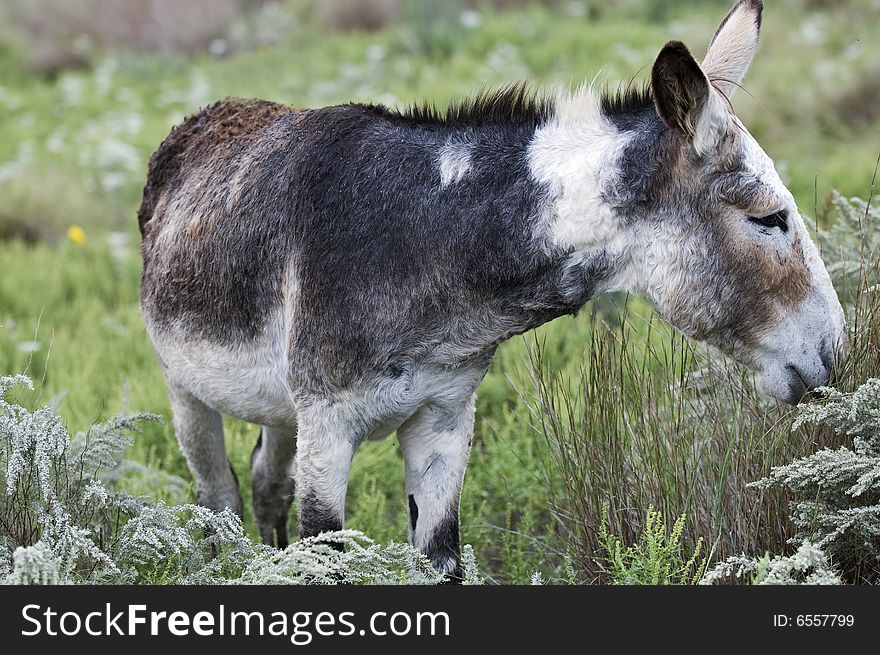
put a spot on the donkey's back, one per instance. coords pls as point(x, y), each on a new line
point(369, 238)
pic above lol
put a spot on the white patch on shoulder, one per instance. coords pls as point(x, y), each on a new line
point(575, 153)
point(454, 162)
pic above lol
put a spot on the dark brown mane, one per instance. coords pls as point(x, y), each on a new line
point(511, 105)
point(628, 98)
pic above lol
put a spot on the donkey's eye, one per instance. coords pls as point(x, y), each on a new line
point(776, 219)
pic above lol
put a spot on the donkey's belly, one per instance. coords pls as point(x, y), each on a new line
point(246, 381)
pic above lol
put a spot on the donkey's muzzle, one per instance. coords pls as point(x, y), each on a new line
point(802, 384)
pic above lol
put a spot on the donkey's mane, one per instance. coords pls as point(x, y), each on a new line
point(514, 105)
point(511, 105)
point(630, 98)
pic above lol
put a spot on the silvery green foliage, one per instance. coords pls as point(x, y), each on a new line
point(33, 565)
point(64, 522)
point(469, 568)
point(732, 570)
point(852, 238)
point(74, 546)
point(315, 561)
point(182, 544)
point(808, 566)
point(52, 493)
point(836, 493)
point(5, 564)
point(29, 442)
point(853, 233)
point(58, 511)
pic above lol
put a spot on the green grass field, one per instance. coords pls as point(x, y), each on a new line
point(73, 151)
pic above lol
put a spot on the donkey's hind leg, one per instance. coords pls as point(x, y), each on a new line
point(272, 476)
point(199, 431)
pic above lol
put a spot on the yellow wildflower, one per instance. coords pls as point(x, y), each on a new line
point(76, 234)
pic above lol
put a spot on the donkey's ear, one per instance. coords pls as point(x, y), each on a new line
point(733, 46)
point(685, 100)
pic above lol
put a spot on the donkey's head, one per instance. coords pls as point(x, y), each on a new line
point(723, 251)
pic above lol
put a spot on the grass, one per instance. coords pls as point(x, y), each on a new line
point(654, 421)
point(73, 150)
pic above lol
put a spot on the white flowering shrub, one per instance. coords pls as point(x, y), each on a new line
point(315, 560)
point(52, 495)
point(470, 570)
point(851, 242)
point(836, 492)
point(62, 521)
point(835, 500)
point(808, 566)
point(34, 565)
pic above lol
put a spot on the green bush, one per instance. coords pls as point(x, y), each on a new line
point(657, 558)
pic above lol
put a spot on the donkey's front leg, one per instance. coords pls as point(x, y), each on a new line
point(436, 444)
point(325, 446)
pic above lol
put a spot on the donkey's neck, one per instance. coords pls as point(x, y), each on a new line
point(576, 155)
point(580, 246)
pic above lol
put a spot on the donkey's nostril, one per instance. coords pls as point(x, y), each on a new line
point(825, 376)
point(827, 355)
point(833, 353)
point(797, 386)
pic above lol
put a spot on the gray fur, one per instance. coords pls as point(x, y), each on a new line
point(199, 431)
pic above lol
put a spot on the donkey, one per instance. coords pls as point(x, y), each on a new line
point(338, 274)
